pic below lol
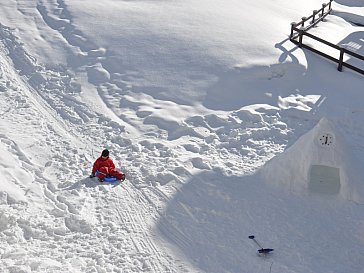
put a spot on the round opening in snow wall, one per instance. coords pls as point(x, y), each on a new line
point(326, 139)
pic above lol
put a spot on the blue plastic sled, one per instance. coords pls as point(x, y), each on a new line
point(110, 179)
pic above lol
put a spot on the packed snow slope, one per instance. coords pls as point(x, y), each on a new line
point(216, 118)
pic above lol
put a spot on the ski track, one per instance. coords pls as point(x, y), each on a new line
point(47, 98)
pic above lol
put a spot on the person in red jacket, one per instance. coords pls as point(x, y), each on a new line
point(105, 167)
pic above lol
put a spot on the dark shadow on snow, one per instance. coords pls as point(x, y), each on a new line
point(91, 183)
point(350, 3)
point(352, 18)
point(257, 85)
point(355, 43)
point(210, 219)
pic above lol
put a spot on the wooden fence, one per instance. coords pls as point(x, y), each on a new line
point(300, 29)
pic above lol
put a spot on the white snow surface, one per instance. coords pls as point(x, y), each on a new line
point(212, 113)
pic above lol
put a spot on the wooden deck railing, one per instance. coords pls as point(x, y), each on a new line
point(300, 29)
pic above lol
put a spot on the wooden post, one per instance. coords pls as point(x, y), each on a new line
point(293, 25)
point(303, 21)
point(323, 10)
point(300, 39)
point(313, 16)
point(330, 4)
point(341, 60)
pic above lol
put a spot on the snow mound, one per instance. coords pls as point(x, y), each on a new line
point(319, 156)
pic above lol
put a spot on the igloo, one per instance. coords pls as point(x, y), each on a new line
point(319, 162)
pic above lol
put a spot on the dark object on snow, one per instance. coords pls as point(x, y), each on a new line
point(265, 250)
point(261, 250)
point(105, 153)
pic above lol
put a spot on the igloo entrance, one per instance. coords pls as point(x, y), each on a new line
point(324, 179)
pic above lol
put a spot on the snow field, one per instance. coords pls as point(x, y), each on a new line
point(194, 112)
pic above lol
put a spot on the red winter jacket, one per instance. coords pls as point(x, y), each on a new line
point(103, 162)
